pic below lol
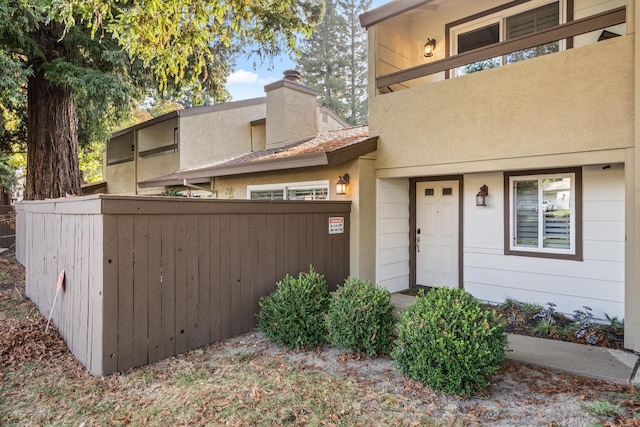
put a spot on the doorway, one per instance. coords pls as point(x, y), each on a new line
point(437, 233)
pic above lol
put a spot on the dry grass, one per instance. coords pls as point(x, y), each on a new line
point(41, 383)
point(248, 381)
point(241, 390)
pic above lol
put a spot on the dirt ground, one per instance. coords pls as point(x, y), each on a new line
point(519, 395)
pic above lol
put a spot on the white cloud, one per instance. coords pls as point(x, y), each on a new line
point(265, 81)
point(242, 76)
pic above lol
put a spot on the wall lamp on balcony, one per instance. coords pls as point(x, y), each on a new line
point(481, 197)
point(341, 185)
point(429, 47)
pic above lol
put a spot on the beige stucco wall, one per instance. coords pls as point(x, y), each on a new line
point(292, 114)
point(537, 107)
point(205, 138)
point(154, 166)
point(326, 122)
point(157, 135)
point(121, 178)
point(361, 191)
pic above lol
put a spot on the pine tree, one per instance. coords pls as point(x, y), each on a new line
point(83, 64)
point(357, 59)
point(334, 59)
point(322, 61)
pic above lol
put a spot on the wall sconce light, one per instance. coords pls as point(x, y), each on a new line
point(341, 185)
point(481, 197)
point(429, 47)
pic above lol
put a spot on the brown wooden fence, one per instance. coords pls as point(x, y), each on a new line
point(7, 226)
point(148, 278)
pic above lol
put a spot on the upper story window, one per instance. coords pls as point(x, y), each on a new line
point(506, 24)
point(544, 214)
point(313, 190)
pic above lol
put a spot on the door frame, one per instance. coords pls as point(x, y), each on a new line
point(412, 224)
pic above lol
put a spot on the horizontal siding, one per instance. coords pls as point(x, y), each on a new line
point(597, 281)
point(394, 240)
point(393, 236)
point(564, 303)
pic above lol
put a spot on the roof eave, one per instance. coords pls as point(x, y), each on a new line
point(389, 10)
point(352, 151)
point(323, 158)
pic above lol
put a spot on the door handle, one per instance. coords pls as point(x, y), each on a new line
point(418, 240)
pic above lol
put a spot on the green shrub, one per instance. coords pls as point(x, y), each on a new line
point(450, 341)
point(293, 315)
point(360, 317)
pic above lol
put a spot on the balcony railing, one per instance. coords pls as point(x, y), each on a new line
point(172, 148)
point(549, 35)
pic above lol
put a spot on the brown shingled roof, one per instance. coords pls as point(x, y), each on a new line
point(327, 148)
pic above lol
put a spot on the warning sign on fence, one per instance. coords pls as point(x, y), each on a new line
point(336, 225)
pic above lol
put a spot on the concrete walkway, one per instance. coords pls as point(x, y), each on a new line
point(590, 361)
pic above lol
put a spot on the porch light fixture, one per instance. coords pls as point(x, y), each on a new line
point(429, 47)
point(341, 185)
point(481, 197)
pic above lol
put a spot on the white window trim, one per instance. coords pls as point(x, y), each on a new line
point(500, 18)
point(284, 187)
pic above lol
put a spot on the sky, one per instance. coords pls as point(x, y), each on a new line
point(246, 82)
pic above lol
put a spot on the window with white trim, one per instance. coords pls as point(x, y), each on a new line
point(312, 190)
point(544, 213)
point(503, 25)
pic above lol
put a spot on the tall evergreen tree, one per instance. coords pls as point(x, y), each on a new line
point(82, 64)
point(334, 59)
point(357, 59)
point(322, 61)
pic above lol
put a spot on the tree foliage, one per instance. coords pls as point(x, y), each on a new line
point(93, 60)
point(334, 59)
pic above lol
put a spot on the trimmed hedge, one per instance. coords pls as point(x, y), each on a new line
point(360, 317)
point(294, 315)
point(450, 341)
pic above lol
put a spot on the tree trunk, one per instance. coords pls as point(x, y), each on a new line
point(5, 197)
point(52, 141)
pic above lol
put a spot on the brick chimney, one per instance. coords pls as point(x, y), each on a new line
point(292, 110)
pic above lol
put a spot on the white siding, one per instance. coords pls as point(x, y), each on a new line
point(596, 282)
point(393, 237)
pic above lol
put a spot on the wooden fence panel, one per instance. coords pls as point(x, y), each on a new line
point(140, 289)
point(237, 306)
point(126, 285)
point(247, 258)
point(108, 359)
point(7, 229)
point(204, 281)
point(155, 289)
point(168, 292)
point(148, 278)
point(215, 292)
point(254, 247)
point(180, 266)
point(192, 281)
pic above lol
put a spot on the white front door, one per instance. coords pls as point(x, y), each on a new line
point(437, 233)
